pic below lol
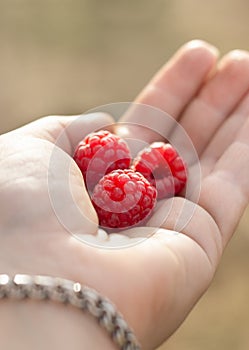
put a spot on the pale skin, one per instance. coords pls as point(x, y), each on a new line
point(156, 283)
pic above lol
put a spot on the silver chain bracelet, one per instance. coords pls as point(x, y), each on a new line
point(73, 293)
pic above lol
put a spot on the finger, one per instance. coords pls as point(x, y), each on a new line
point(225, 191)
point(44, 188)
point(225, 136)
point(172, 88)
point(68, 195)
point(66, 132)
point(216, 100)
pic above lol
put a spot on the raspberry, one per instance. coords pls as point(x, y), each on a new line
point(162, 166)
point(100, 153)
point(123, 198)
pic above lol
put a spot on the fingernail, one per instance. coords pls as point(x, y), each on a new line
point(197, 43)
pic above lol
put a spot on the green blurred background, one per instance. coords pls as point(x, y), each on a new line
point(66, 56)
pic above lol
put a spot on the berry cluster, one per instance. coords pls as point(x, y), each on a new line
point(123, 192)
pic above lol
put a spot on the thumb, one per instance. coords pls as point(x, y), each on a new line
point(69, 196)
point(67, 192)
point(66, 131)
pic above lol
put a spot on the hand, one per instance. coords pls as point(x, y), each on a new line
point(161, 279)
point(211, 102)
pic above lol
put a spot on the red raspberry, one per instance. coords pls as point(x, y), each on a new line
point(123, 198)
point(100, 153)
point(162, 166)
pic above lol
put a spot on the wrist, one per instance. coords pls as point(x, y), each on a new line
point(45, 288)
point(38, 325)
point(17, 257)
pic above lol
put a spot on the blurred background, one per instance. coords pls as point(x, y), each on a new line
point(67, 56)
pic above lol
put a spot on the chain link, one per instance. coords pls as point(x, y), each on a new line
point(66, 291)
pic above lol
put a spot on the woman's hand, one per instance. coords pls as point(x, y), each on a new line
point(211, 103)
point(157, 282)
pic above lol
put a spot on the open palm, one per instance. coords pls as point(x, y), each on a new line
point(157, 282)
